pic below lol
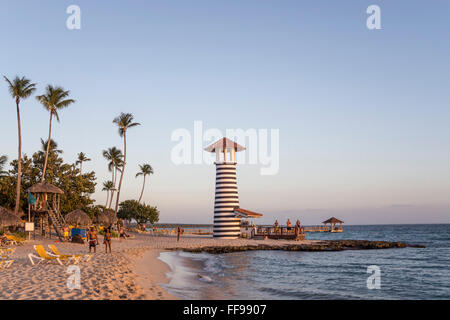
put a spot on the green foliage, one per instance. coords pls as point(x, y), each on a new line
point(77, 188)
point(142, 213)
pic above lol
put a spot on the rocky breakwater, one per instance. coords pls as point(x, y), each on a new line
point(329, 245)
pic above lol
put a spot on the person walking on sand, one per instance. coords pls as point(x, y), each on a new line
point(121, 232)
point(107, 239)
point(92, 239)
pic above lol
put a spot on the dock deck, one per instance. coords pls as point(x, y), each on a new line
point(277, 233)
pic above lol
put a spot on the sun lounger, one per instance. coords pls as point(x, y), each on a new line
point(5, 264)
point(45, 256)
point(6, 252)
point(14, 240)
point(76, 257)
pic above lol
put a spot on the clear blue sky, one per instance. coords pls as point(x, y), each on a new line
point(363, 115)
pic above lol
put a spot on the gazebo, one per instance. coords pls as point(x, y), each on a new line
point(335, 224)
point(45, 204)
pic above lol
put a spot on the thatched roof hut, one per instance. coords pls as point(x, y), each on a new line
point(111, 216)
point(8, 218)
point(79, 218)
point(102, 219)
point(45, 188)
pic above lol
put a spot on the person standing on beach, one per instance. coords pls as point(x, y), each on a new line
point(92, 239)
point(107, 239)
point(178, 233)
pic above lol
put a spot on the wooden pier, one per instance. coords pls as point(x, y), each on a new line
point(284, 233)
point(322, 229)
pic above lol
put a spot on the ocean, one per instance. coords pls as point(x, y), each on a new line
point(407, 273)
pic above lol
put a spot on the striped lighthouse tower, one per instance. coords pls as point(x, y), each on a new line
point(226, 223)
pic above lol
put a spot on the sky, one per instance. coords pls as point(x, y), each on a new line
point(363, 115)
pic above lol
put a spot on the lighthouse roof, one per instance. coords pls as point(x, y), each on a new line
point(242, 213)
point(224, 143)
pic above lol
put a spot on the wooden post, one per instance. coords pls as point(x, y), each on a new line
point(29, 219)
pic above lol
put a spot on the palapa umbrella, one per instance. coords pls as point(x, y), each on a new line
point(111, 216)
point(8, 219)
point(78, 217)
point(102, 219)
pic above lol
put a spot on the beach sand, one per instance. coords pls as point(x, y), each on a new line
point(132, 271)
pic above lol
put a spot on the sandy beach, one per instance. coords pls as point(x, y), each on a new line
point(132, 271)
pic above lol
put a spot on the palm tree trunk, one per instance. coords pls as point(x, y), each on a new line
point(81, 167)
point(48, 147)
point(114, 176)
point(107, 197)
point(123, 170)
point(19, 164)
point(142, 192)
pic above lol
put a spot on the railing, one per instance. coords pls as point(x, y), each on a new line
point(281, 231)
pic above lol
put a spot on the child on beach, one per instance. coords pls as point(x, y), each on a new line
point(107, 239)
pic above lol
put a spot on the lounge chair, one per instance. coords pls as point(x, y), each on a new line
point(5, 264)
point(45, 256)
point(76, 257)
point(6, 252)
point(14, 240)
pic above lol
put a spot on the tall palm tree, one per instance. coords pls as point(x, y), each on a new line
point(108, 186)
point(82, 158)
point(114, 156)
point(3, 160)
point(20, 89)
point(124, 121)
point(54, 99)
point(146, 170)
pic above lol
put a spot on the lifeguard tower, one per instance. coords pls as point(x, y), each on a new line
point(227, 213)
point(45, 209)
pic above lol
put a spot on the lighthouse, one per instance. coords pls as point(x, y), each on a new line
point(227, 213)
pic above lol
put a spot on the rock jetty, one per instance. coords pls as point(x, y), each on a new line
point(328, 245)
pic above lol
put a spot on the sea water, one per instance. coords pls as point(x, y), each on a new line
point(406, 273)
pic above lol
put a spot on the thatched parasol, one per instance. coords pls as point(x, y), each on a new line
point(44, 188)
point(8, 218)
point(111, 216)
point(102, 219)
point(78, 217)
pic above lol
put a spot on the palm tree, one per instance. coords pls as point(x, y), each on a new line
point(3, 160)
point(146, 170)
point(82, 158)
point(54, 99)
point(108, 186)
point(19, 88)
point(114, 156)
point(53, 146)
point(124, 121)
